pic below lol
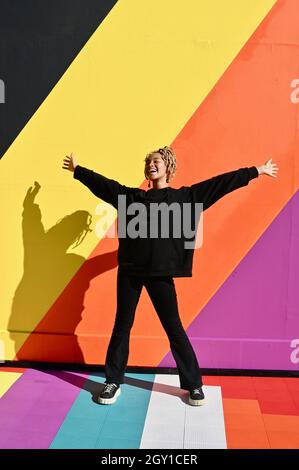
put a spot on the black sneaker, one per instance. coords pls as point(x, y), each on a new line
point(196, 397)
point(109, 394)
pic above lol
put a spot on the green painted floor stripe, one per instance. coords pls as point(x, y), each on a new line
point(89, 425)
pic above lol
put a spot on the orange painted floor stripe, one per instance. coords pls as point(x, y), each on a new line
point(253, 423)
point(282, 431)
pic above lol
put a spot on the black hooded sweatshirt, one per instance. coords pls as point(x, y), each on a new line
point(161, 256)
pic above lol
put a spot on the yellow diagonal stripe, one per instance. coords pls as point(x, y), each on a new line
point(132, 88)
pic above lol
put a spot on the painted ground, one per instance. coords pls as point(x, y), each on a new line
point(42, 409)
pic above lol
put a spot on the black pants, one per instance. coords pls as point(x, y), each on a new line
point(163, 296)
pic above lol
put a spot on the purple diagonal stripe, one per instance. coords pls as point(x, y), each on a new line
point(33, 409)
point(251, 320)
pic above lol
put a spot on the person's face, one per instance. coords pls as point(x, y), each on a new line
point(155, 167)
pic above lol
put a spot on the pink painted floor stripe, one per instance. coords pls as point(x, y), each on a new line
point(33, 409)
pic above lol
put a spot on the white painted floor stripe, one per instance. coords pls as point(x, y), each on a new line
point(171, 423)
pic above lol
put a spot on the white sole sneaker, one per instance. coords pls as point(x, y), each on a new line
point(196, 402)
point(109, 401)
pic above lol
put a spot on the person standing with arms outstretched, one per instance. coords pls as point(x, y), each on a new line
point(153, 261)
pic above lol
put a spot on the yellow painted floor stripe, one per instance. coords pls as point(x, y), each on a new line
point(7, 379)
point(132, 88)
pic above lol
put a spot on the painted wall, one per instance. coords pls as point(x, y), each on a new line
point(216, 80)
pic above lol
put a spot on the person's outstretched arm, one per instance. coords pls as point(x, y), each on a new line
point(102, 187)
point(209, 191)
point(32, 226)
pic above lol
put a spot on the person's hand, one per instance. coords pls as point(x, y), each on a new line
point(69, 162)
point(268, 168)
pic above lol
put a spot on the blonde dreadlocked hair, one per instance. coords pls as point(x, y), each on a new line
point(169, 158)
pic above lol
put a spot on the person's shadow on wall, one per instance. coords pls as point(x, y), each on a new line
point(38, 308)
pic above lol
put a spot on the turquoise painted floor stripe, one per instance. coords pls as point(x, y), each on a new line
point(89, 425)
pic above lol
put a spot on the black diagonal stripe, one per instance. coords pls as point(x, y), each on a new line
point(38, 41)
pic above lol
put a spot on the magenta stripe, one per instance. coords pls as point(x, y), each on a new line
point(33, 409)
